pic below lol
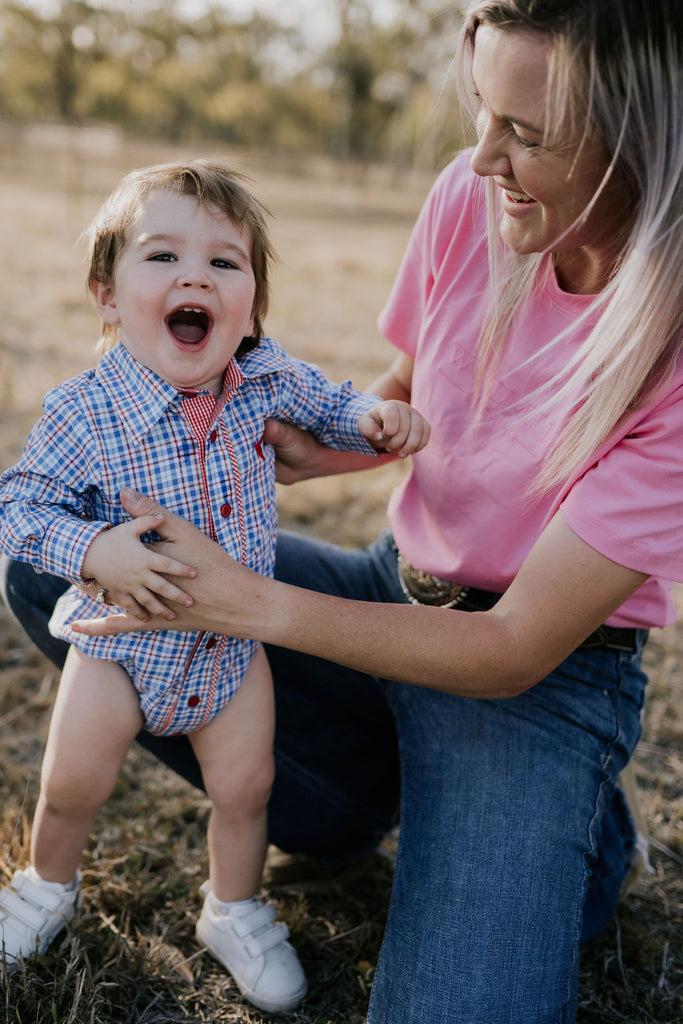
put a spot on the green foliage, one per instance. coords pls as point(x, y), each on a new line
point(151, 69)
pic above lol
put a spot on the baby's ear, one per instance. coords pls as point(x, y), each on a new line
point(105, 300)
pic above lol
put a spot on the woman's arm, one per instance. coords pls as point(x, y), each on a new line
point(300, 457)
point(563, 592)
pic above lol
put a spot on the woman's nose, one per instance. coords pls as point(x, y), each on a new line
point(490, 154)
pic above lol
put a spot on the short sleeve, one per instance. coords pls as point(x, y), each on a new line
point(629, 504)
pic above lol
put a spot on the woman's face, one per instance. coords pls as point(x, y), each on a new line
point(546, 179)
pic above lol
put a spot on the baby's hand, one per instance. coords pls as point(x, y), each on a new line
point(395, 427)
point(132, 573)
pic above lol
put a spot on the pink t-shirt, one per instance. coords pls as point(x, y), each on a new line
point(464, 513)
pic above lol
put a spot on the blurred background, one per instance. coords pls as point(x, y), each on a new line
point(348, 79)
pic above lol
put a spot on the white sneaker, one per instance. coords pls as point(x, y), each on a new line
point(255, 950)
point(33, 912)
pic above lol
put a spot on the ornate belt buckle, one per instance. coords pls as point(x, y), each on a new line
point(423, 588)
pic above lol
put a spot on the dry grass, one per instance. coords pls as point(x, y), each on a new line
point(133, 957)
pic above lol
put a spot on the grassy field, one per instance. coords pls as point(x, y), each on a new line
point(133, 957)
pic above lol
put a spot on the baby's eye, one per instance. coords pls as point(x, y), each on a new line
point(223, 264)
point(162, 257)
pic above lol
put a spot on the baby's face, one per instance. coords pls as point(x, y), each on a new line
point(183, 291)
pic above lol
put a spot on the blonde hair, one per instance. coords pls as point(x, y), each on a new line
point(615, 74)
point(210, 184)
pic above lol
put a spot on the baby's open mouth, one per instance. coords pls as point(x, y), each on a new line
point(189, 324)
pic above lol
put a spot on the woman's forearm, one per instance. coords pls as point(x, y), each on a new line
point(467, 653)
point(542, 618)
point(563, 592)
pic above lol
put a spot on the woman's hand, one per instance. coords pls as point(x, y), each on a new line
point(298, 456)
point(297, 453)
point(133, 575)
point(183, 544)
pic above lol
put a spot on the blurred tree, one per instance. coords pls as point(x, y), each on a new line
point(150, 67)
point(387, 73)
point(45, 59)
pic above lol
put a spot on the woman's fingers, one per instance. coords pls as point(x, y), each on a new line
point(114, 624)
point(138, 504)
point(171, 526)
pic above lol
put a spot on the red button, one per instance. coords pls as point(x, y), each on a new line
point(226, 510)
point(213, 436)
point(211, 642)
point(192, 702)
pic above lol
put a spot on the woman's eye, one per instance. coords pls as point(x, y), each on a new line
point(524, 143)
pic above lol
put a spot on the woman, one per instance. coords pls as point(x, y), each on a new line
point(547, 361)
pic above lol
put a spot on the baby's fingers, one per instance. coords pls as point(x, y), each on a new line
point(416, 437)
point(144, 603)
point(394, 421)
point(381, 424)
point(166, 566)
point(158, 587)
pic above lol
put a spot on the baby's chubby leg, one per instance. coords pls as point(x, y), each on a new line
point(235, 754)
point(95, 719)
point(236, 758)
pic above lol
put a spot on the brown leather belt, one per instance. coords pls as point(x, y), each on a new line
point(423, 588)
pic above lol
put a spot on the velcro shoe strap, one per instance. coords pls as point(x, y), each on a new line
point(257, 945)
point(20, 910)
point(251, 923)
point(46, 898)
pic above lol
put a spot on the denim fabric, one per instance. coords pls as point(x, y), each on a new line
point(514, 837)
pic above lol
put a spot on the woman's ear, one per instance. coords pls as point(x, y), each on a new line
point(105, 300)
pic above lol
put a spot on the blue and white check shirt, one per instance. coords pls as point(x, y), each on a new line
point(121, 425)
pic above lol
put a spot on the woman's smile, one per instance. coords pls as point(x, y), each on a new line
point(548, 178)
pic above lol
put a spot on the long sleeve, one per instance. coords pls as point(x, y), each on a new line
point(301, 394)
point(44, 498)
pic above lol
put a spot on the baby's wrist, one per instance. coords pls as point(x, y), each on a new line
point(89, 564)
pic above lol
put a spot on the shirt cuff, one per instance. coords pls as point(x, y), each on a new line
point(65, 545)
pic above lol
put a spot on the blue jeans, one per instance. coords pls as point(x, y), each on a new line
point(514, 836)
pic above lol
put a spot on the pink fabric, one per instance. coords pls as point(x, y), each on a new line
point(464, 512)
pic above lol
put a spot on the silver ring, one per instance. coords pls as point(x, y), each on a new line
point(101, 596)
